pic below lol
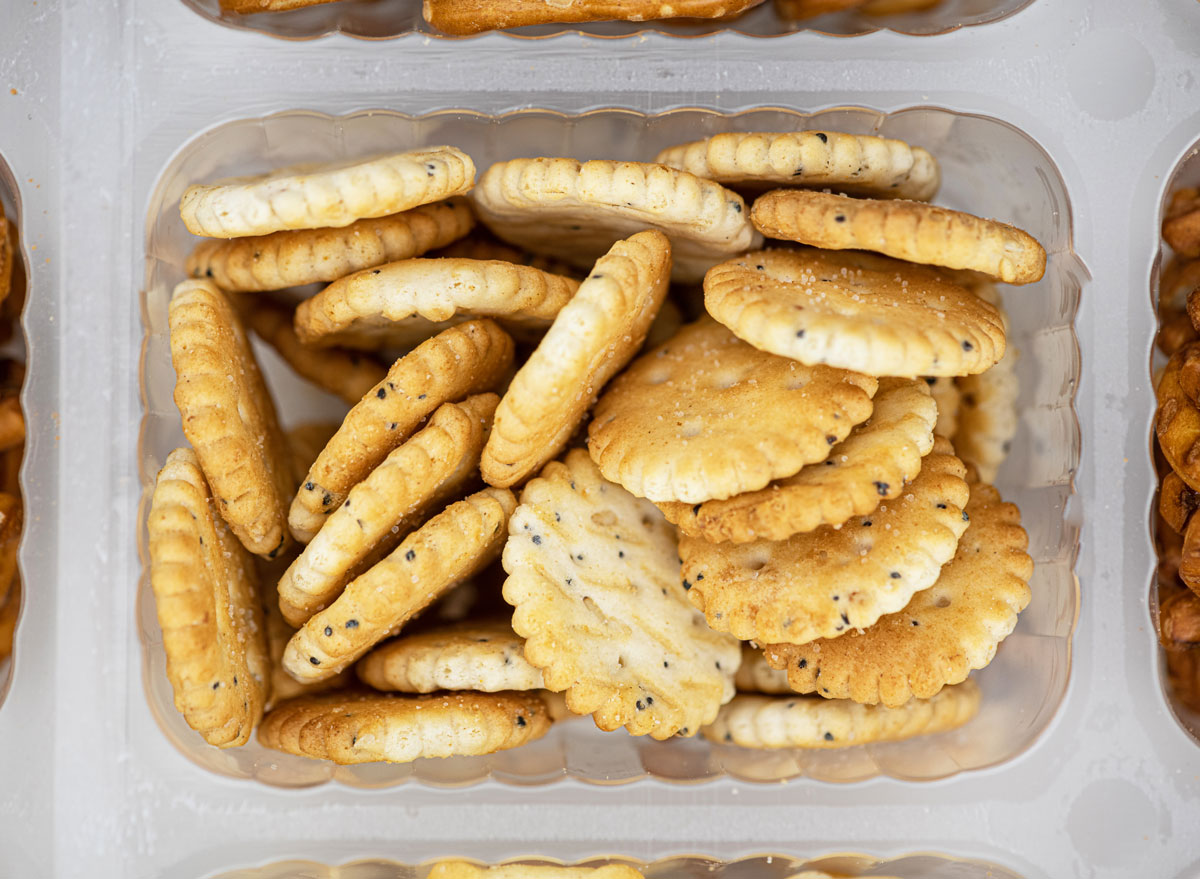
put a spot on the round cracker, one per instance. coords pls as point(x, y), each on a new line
point(948, 398)
point(448, 548)
point(368, 728)
point(462, 17)
point(206, 597)
point(464, 870)
point(856, 311)
point(319, 256)
point(854, 163)
point(1177, 422)
point(755, 674)
point(903, 229)
point(431, 466)
point(988, 419)
point(592, 338)
point(1176, 502)
point(942, 635)
point(575, 210)
point(707, 416)
point(874, 463)
point(466, 359)
point(402, 304)
point(229, 418)
point(752, 721)
point(325, 195)
point(594, 580)
point(486, 656)
point(826, 582)
point(1181, 226)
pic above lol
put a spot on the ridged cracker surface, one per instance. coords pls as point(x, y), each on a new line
point(987, 417)
point(874, 463)
point(486, 656)
point(903, 229)
point(755, 674)
point(369, 728)
point(206, 597)
point(1177, 422)
point(463, 360)
point(348, 374)
point(594, 581)
point(403, 303)
point(826, 582)
point(229, 418)
point(448, 548)
point(318, 256)
point(325, 195)
point(948, 398)
point(707, 416)
point(856, 311)
point(942, 635)
point(751, 721)
point(465, 870)
point(279, 632)
point(462, 17)
point(576, 210)
point(430, 467)
point(854, 163)
point(591, 339)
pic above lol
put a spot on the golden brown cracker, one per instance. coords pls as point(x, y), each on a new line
point(461, 17)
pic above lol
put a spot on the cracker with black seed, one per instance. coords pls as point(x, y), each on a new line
point(465, 870)
point(594, 582)
point(448, 548)
point(466, 359)
point(207, 601)
point(943, 634)
point(755, 674)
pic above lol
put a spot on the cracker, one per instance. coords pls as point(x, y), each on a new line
point(325, 195)
point(463, 17)
point(908, 230)
point(206, 596)
point(229, 418)
point(594, 581)
point(250, 7)
point(486, 656)
point(448, 548)
point(12, 423)
point(1179, 621)
point(10, 610)
point(823, 583)
point(368, 728)
point(755, 674)
point(319, 256)
point(1181, 226)
point(465, 870)
point(873, 464)
point(1177, 422)
point(897, 7)
point(751, 721)
point(855, 311)
point(1188, 570)
point(12, 518)
point(7, 255)
point(943, 633)
point(987, 420)
point(798, 10)
point(463, 360)
point(1177, 501)
point(666, 324)
point(592, 338)
point(305, 442)
point(429, 467)
point(853, 163)
point(482, 244)
point(948, 398)
point(347, 374)
point(401, 304)
point(576, 210)
point(708, 416)
point(1179, 278)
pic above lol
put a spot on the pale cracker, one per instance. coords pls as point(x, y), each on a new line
point(448, 548)
point(463, 360)
point(856, 311)
point(988, 419)
point(755, 675)
point(707, 416)
point(229, 418)
point(908, 230)
point(576, 210)
point(942, 635)
point(486, 656)
point(592, 338)
point(325, 195)
point(403, 303)
point(362, 728)
point(206, 596)
point(319, 256)
point(465, 870)
point(430, 466)
point(462, 17)
point(826, 582)
point(854, 163)
point(947, 396)
point(594, 581)
point(874, 463)
point(752, 721)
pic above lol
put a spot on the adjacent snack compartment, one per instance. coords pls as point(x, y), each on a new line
point(381, 19)
point(989, 167)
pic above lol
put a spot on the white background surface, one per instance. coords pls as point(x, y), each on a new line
point(1108, 88)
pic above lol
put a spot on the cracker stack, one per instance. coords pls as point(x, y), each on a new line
point(559, 487)
point(12, 435)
